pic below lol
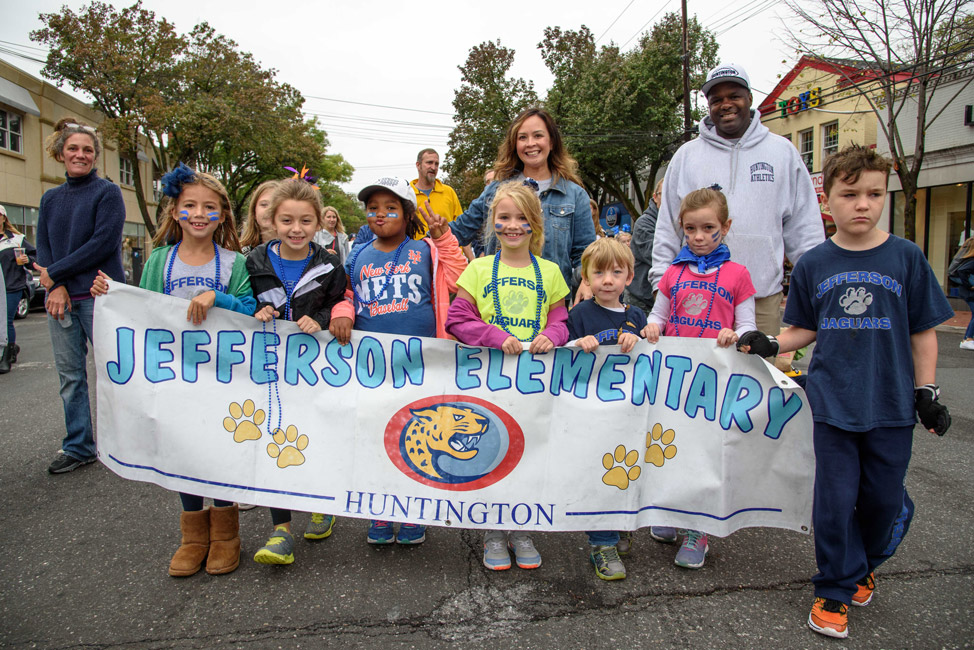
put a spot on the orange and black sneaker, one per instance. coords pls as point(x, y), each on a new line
point(864, 591)
point(829, 617)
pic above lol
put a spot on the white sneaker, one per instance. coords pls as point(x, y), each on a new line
point(496, 556)
point(967, 345)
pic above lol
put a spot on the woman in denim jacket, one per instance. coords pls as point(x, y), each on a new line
point(533, 149)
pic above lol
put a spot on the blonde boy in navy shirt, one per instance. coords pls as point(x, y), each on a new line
point(871, 301)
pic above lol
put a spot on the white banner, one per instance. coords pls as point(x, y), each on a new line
point(430, 432)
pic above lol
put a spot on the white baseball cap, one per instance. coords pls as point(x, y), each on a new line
point(398, 186)
point(726, 72)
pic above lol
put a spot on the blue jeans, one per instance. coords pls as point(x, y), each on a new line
point(70, 358)
point(13, 299)
point(603, 537)
point(969, 334)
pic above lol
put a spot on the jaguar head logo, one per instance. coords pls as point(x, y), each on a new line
point(440, 430)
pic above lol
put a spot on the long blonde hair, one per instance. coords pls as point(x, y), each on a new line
point(169, 231)
point(339, 226)
point(560, 162)
point(528, 203)
point(7, 224)
point(250, 236)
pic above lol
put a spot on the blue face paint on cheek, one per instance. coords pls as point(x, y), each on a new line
point(716, 236)
point(214, 216)
point(526, 228)
point(184, 215)
point(498, 227)
point(392, 215)
point(370, 215)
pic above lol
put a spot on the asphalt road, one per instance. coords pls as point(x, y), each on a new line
point(83, 560)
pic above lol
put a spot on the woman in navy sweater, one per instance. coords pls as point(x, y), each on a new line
point(79, 232)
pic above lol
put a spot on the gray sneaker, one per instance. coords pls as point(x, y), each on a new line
point(496, 556)
point(625, 542)
point(663, 534)
point(693, 551)
point(320, 526)
point(608, 566)
point(279, 549)
point(525, 554)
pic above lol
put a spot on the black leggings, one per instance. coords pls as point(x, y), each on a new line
point(192, 503)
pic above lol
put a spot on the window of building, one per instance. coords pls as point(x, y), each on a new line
point(11, 132)
point(830, 139)
point(157, 189)
point(125, 173)
point(806, 147)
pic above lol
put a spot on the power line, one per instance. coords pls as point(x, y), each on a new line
point(761, 9)
point(651, 18)
point(614, 21)
point(396, 108)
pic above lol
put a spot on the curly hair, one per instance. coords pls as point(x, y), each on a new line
point(64, 129)
point(848, 164)
point(560, 162)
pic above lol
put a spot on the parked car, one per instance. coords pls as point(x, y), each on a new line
point(33, 297)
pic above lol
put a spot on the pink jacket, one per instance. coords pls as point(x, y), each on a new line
point(448, 264)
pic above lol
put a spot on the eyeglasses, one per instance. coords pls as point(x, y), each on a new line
point(83, 127)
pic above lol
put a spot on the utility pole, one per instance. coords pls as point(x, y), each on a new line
point(686, 76)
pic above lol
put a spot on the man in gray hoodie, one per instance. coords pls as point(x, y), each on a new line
point(768, 189)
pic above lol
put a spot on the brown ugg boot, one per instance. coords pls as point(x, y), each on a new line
point(188, 559)
point(224, 540)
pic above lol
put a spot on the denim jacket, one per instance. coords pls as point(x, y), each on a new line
point(568, 226)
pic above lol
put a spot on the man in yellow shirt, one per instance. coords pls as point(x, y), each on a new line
point(443, 200)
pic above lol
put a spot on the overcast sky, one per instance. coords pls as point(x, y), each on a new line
point(405, 55)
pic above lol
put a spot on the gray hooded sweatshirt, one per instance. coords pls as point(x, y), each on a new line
point(769, 192)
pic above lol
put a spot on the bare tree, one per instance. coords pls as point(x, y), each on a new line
point(902, 51)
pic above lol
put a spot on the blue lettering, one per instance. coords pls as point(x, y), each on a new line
point(264, 372)
point(227, 354)
point(610, 377)
point(156, 356)
point(780, 411)
point(301, 350)
point(192, 355)
point(370, 363)
point(571, 370)
point(679, 367)
point(645, 378)
point(407, 362)
point(527, 367)
point(742, 394)
point(702, 393)
point(468, 362)
point(121, 371)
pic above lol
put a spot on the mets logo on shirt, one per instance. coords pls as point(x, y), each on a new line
point(454, 442)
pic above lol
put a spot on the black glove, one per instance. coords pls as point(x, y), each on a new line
point(760, 344)
point(933, 414)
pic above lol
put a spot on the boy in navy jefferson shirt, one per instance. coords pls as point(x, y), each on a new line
point(871, 301)
point(607, 266)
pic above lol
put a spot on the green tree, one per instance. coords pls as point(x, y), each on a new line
point(123, 60)
point(621, 113)
point(195, 99)
point(485, 104)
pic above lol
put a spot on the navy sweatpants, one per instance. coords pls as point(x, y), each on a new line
point(861, 511)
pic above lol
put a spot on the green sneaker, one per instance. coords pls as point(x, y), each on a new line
point(608, 566)
point(320, 526)
point(279, 549)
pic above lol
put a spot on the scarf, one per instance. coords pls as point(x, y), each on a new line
point(711, 260)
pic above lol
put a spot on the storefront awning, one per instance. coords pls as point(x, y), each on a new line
point(13, 95)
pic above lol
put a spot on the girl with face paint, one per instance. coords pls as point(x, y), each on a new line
point(196, 257)
point(505, 301)
point(701, 295)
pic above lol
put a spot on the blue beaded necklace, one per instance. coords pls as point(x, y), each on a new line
point(385, 282)
point(289, 291)
point(713, 296)
point(167, 288)
point(273, 389)
point(498, 318)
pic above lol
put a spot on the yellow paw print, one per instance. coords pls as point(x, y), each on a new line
point(617, 475)
point(659, 447)
point(291, 454)
point(248, 429)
